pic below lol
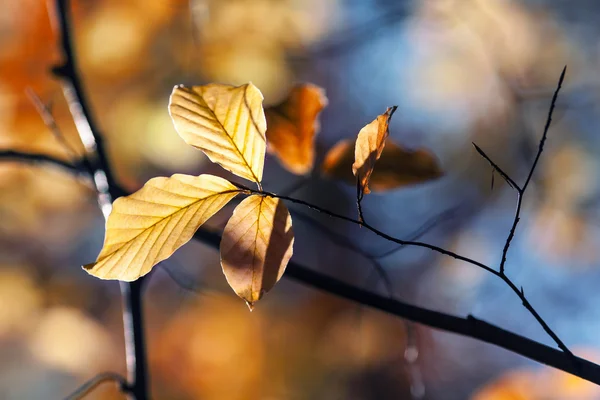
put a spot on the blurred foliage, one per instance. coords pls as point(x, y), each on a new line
point(459, 70)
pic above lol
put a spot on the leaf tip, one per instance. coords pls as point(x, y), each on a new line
point(250, 305)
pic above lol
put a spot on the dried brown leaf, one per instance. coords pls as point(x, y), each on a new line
point(292, 126)
point(397, 167)
point(368, 147)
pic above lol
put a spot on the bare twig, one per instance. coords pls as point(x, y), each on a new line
point(372, 229)
point(96, 381)
point(359, 197)
point(496, 168)
point(50, 122)
point(511, 234)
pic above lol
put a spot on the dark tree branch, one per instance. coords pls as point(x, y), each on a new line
point(76, 168)
point(96, 381)
point(469, 326)
point(108, 190)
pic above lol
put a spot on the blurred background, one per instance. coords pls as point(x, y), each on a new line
point(460, 71)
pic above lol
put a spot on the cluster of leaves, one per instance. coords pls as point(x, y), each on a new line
point(229, 125)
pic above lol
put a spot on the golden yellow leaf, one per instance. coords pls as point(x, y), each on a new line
point(226, 122)
point(256, 246)
point(292, 126)
point(397, 167)
point(149, 225)
point(368, 147)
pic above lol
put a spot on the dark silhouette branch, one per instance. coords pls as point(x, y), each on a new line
point(521, 191)
point(76, 168)
point(520, 194)
point(108, 190)
point(496, 168)
point(469, 326)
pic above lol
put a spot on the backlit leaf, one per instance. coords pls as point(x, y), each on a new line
point(396, 168)
point(226, 122)
point(149, 225)
point(292, 126)
point(256, 246)
point(368, 147)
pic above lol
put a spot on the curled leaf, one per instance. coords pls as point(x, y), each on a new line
point(292, 126)
point(397, 167)
point(368, 147)
point(256, 246)
point(149, 225)
point(226, 122)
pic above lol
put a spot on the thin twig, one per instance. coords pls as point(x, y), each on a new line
point(511, 234)
point(372, 229)
point(503, 174)
point(50, 122)
point(359, 197)
point(521, 191)
point(96, 381)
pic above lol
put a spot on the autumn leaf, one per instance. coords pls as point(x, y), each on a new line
point(149, 225)
point(292, 126)
point(397, 167)
point(226, 122)
point(368, 147)
point(256, 246)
